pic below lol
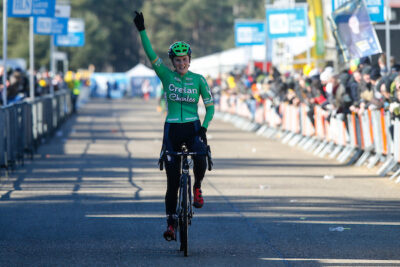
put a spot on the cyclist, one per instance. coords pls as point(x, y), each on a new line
point(183, 90)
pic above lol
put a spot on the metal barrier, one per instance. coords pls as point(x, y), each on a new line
point(3, 156)
point(25, 125)
point(369, 138)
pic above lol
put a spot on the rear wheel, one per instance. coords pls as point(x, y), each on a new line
point(183, 220)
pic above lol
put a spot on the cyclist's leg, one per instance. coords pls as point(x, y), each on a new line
point(199, 165)
point(172, 168)
point(199, 162)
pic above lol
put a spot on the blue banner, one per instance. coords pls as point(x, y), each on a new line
point(283, 23)
point(75, 36)
point(28, 8)
point(71, 39)
point(49, 26)
point(375, 8)
point(354, 31)
point(249, 33)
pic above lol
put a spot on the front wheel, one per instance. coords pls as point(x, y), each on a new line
point(184, 218)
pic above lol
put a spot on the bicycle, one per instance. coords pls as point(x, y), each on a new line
point(184, 209)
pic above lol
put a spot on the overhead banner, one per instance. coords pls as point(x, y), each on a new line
point(49, 26)
point(354, 31)
point(75, 35)
point(28, 8)
point(375, 8)
point(249, 32)
point(283, 23)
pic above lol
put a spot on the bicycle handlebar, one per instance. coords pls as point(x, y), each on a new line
point(187, 153)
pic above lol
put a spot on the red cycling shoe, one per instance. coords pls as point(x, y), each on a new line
point(198, 200)
point(169, 235)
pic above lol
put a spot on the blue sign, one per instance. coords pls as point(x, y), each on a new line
point(249, 33)
point(71, 39)
point(283, 23)
point(49, 26)
point(75, 35)
point(375, 8)
point(28, 8)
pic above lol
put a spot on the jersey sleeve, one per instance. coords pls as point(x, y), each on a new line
point(158, 66)
point(208, 101)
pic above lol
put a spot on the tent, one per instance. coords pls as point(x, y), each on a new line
point(140, 70)
point(139, 76)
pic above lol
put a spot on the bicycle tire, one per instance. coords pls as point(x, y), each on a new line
point(183, 229)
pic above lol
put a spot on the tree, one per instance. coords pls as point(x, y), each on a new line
point(112, 42)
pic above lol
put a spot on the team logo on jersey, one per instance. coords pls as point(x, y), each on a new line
point(175, 89)
point(187, 98)
point(177, 79)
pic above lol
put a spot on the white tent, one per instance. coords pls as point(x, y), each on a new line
point(141, 70)
point(137, 76)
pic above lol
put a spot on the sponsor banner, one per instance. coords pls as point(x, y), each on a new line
point(283, 23)
point(375, 8)
point(28, 8)
point(354, 31)
point(49, 26)
point(75, 36)
point(70, 39)
point(249, 33)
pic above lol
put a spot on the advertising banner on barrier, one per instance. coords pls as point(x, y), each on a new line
point(27, 8)
point(48, 26)
point(375, 8)
point(354, 30)
point(283, 23)
point(75, 35)
point(249, 32)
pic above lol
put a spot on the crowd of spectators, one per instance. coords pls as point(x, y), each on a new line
point(360, 87)
point(18, 84)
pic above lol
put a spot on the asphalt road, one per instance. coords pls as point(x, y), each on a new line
point(93, 196)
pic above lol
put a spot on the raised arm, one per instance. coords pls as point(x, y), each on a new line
point(158, 66)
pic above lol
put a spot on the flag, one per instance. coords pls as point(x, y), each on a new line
point(353, 30)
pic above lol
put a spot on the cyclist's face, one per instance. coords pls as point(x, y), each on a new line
point(181, 64)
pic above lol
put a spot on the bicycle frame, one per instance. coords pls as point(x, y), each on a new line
point(185, 175)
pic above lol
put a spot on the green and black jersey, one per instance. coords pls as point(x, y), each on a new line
point(182, 92)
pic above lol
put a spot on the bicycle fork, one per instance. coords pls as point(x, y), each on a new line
point(186, 175)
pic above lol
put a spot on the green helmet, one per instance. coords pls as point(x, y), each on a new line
point(178, 49)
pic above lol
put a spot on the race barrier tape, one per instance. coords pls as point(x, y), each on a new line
point(367, 138)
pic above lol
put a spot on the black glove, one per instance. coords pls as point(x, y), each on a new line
point(202, 134)
point(139, 21)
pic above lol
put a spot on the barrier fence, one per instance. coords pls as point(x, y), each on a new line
point(370, 138)
point(24, 125)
